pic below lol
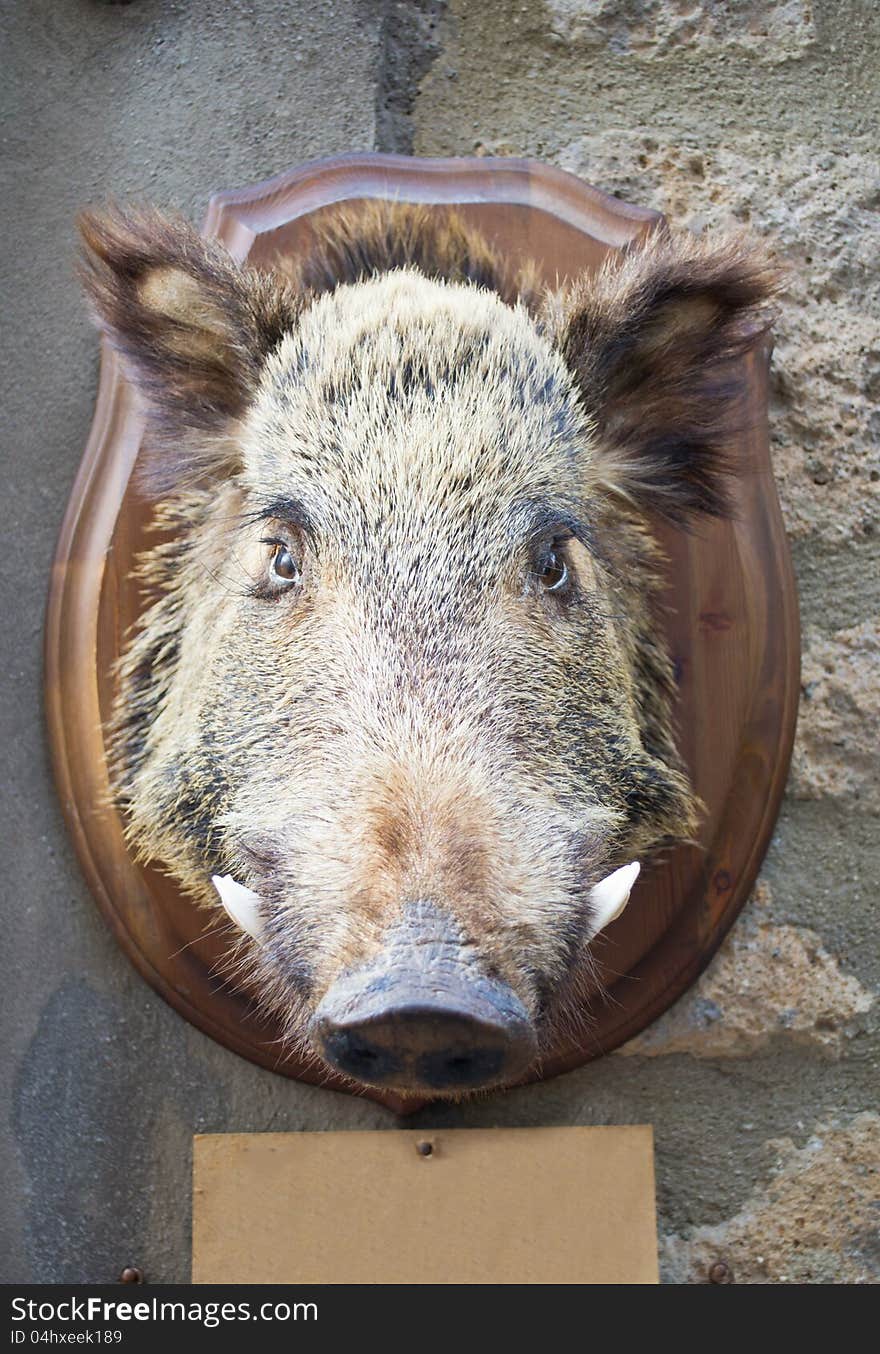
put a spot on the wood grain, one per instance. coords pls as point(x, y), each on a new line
point(732, 625)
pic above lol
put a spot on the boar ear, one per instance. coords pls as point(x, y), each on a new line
point(193, 328)
point(653, 340)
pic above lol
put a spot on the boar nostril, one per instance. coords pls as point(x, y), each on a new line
point(425, 1048)
point(459, 1071)
point(423, 1016)
point(351, 1052)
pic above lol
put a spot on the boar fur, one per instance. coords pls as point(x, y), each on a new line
point(461, 693)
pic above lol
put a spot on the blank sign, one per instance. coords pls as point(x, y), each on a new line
point(466, 1206)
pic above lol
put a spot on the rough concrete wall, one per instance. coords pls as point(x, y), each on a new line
point(761, 1083)
point(103, 1084)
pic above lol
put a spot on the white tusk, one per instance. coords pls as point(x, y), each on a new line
point(243, 905)
point(610, 896)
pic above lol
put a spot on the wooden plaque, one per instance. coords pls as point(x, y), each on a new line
point(733, 631)
point(456, 1206)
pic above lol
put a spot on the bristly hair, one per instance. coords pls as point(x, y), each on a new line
point(193, 327)
point(354, 242)
point(654, 339)
point(535, 741)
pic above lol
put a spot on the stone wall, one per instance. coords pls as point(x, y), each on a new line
point(762, 1082)
point(757, 113)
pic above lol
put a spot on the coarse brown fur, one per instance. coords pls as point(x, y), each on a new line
point(418, 716)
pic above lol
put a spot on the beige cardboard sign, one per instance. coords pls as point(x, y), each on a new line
point(469, 1206)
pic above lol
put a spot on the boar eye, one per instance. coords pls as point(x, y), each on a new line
point(283, 568)
point(553, 574)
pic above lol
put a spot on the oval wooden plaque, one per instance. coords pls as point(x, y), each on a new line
point(733, 630)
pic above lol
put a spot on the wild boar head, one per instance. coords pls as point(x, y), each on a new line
point(402, 690)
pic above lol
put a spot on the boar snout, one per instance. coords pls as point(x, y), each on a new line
point(422, 1015)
